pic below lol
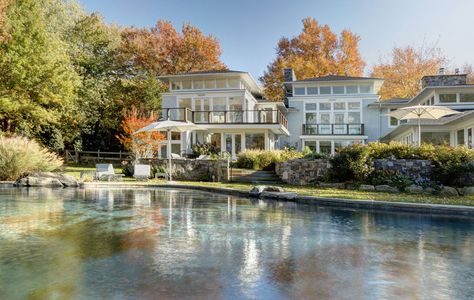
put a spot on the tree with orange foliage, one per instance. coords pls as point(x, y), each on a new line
point(139, 144)
point(402, 73)
point(316, 51)
point(3, 8)
point(164, 50)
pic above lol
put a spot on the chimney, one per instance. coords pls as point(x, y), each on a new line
point(289, 74)
point(443, 79)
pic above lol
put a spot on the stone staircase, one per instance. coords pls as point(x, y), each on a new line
point(253, 176)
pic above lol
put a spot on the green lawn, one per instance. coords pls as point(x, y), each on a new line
point(308, 190)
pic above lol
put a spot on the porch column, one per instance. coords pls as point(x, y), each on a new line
point(267, 142)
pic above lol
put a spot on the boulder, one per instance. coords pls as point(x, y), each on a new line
point(366, 187)
point(468, 191)
point(256, 190)
point(414, 189)
point(386, 188)
point(48, 179)
point(288, 196)
point(448, 191)
point(429, 190)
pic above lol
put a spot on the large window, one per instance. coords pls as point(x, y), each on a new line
point(187, 84)
point(312, 90)
point(325, 90)
point(435, 138)
point(310, 106)
point(324, 106)
point(351, 89)
point(338, 90)
point(325, 147)
point(175, 85)
point(210, 84)
point(255, 141)
point(466, 97)
point(311, 118)
point(447, 98)
point(234, 83)
point(311, 145)
point(339, 105)
point(353, 117)
point(299, 90)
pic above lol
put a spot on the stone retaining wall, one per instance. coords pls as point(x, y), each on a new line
point(194, 169)
point(413, 168)
point(303, 172)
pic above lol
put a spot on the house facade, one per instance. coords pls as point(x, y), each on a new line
point(229, 109)
point(323, 113)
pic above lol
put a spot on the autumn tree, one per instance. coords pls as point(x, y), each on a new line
point(164, 50)
point(140, 144)
point(316, 51)
point(403, 71)
point(3, 30)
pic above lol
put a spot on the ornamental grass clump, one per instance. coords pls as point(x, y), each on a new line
point(19, 156)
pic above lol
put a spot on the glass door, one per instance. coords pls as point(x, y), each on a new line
point(233, 144)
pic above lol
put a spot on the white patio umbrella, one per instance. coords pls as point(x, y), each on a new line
point(169, 126)
point(419, 112)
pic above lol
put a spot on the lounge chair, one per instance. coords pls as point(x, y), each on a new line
point(141, 172)
point(105, 172)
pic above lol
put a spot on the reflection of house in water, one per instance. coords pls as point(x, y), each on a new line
point(142, 197)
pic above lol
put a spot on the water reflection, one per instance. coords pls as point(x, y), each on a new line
point(150, 243)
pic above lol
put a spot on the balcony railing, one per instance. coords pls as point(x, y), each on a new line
point(333, 129)
point(227, 116)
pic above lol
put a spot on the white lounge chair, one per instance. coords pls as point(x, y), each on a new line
point(105, 172)
point(141, 172)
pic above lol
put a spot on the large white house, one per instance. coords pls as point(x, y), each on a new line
point(322, 113)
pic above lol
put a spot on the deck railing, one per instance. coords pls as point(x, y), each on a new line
point(227, 116)
point(333, 129)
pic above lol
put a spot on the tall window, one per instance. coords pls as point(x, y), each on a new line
point(460, 137)
point(466, 97)
point(393, 121)
point(255, 141)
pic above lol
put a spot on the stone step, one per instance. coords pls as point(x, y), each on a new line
point(254, 176)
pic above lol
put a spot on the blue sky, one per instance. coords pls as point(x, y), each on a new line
point(249, 30)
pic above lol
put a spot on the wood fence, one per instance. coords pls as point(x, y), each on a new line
point(95, 156)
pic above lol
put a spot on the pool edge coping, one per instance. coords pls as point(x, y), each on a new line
point(435, 209)
point(426, 208)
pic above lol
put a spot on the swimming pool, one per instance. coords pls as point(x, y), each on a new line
point(110, 243)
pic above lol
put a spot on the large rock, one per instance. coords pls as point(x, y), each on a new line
point(414, 189)
point(468, 191)
point(366, 187)
point(48, 179)
point(448, 191)
point(429, 190)
point(259, 189)
point(256, 190)
point(386, 188)
point(288, 196)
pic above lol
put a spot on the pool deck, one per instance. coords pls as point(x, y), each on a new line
point(432, 209)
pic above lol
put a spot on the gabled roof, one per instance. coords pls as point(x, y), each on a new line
point(335, 78)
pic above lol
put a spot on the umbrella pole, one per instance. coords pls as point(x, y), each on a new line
point(419, 131)
point(169, 155)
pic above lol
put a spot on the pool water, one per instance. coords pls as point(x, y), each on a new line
point(180, 244)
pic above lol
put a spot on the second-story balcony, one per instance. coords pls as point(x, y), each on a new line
point(333, 129)
point(208, 117)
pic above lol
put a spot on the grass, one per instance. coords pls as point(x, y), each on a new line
point(308, 190)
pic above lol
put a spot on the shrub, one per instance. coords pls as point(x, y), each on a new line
point(453, 166)
point(19, 156)
point(392, 178)
point(204, 149)
point(352, 163)
point(265, 160)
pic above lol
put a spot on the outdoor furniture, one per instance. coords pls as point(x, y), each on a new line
point(203, 156)
point(105, 172)
point(141, 172)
